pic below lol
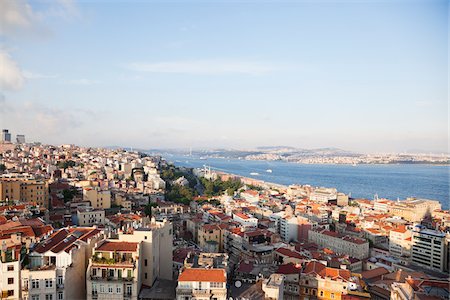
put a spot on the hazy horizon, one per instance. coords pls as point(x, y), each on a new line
point(363, 76)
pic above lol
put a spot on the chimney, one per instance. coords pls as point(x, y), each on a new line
point(398, 275)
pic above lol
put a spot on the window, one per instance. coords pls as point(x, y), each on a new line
point(145, 262)
point(10, 293)
point(119, 273)
point(60, 296)
point(129, 273)
point(145, 237)
point(11, 280)
point(60, 280)
point(216, 285)
point(48, 297)
point(48, 283)
point(321, 293)
point(110, 289)
point(111, 272)
point(102, 288)
point(129, 289)
point(119, 290)
point(35, 283)
point(145, 275)
point(332, 295)
point(10, 268)
point(35, 297)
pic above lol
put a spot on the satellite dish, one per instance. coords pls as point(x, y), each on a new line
point(238, 284)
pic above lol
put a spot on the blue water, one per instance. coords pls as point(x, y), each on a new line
point(388, 181)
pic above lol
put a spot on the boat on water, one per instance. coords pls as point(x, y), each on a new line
point(269, 171)
point(254, 173)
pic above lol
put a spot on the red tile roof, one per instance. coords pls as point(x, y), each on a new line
point(118, 246)
point(289, 253)
point(203, 275)
point(317, 268)
point(289, 269)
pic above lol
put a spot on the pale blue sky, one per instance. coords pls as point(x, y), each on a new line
point(367, 76)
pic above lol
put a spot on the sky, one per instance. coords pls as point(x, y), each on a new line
point(368, 76)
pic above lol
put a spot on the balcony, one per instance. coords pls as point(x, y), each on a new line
point(117, 260)
point(110, 278)
point(201, 293)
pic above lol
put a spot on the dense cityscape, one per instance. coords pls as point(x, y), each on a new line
point(93, 223)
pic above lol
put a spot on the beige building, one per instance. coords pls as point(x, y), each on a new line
point(202, 284)
point(24, 189)
point(113, 271)
point(353, 246)
point(414, 210)
point(138, 257)
point(211, 238)
point(98, 198)
point(157, 249)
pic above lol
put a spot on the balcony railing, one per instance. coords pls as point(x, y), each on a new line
point(111, 278)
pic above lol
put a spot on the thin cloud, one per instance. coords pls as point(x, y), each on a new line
point(11, 77)
point(15, 16)
point(83, 81)
point(207, 67)
point(34, 75)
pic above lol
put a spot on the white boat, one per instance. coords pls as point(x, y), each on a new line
point(254, 173)
point(269, 171)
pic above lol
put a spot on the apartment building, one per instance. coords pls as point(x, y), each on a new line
point(429, 248)
point(416, 289)
point(156, 246)
point(400, 243)
point(26, 189)
point(202, 284)
point(57, 265)
point(344, 244)
point(98, 198)
point(89, 216)
point(211, 238)
point(323, 195)
point(321, 282)
point(9, 270)
point(245, 220)
point(113, 271)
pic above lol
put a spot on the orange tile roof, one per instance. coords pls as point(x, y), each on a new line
point(118, 246)
point(203, 275)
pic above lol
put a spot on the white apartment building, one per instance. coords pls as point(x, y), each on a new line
point(428, 248)
point(273, 287)
point(245, 220)
point(57, 261)
point(202, 284)
point(400, 243)
point(323, 195)
point(289, 228)
point(89, 216)
point(10, 272)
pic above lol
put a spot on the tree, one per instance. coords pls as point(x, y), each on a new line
point(148, 208)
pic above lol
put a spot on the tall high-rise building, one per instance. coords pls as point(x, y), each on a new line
point(20, 139)
point(428, 248)
point(6, 136)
